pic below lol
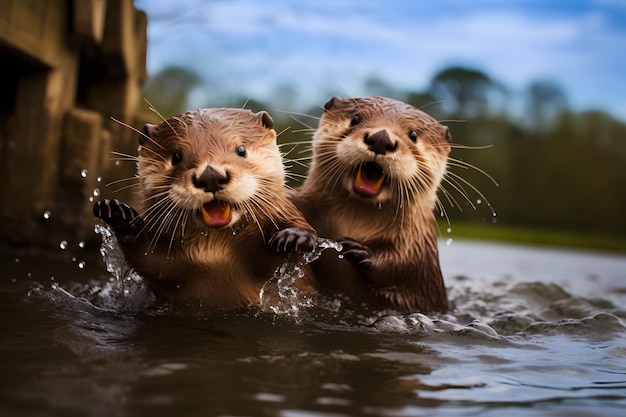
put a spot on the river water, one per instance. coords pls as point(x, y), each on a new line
point(534, 331)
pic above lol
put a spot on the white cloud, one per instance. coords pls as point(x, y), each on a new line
point(252, 45)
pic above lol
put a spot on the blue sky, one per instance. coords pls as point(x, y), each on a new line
point(325, 47)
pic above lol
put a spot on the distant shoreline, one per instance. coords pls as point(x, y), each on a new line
point(532, 236)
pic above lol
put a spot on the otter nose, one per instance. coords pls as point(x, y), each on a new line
point(380, 143)
point(210, 180)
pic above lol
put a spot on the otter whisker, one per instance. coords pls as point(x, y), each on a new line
point(305, 130)
point(124, 157)
point(423, 106)
point(181, 213)
point(249, 210)
point(127, 187)
point(304, 158)
point(294, 176)
point(165, 220)
point(155, 111)
point(452, 121)
point(453, 182)
point(465, 165)
point(469, 147)
point(134, 129)
point(153, 152)
point(299, 114)
point(283, 131)
point(450, 198)
point(442, 211)
point(302, 142)
point(464, 181)
point(133, 178)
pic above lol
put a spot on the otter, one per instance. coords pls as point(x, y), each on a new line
point(213, 220)
point(372, 186)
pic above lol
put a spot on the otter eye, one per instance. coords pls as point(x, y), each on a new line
point(176, 157)
point(356, 119)
point(413, 135)
point(241, 151)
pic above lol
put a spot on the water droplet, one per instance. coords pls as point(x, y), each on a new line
point(91, 199)
point(63, 244)
point(52, 278)
point(117, 163)
point(81, 244)
point(449, 241)
point(99, 179)
point(340, 256)
point(81, 264)
point(494, 214)
point(73, 259)
point(479, 201)
point(449, 230)
point(29, 274)
point(47, 214)
point(17, 260)
point(83, 173)
point(96, 192)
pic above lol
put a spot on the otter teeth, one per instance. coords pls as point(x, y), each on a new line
point(216, 213)
point(368, 180)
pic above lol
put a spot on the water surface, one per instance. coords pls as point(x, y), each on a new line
point(534, 331)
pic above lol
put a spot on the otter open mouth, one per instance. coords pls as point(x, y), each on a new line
point(368, 180)
point(216, 213)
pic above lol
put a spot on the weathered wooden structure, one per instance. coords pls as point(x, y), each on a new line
point(68, 67)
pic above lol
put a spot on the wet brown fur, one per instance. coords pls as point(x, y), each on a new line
point(397, 226)
point(180, 257)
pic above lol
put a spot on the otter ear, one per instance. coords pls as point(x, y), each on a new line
point(330, 103)
point(147, 133)
point(445, 132)
point(266, 119)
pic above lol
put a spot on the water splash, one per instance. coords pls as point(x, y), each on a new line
point(125, 290)
point(279, 295)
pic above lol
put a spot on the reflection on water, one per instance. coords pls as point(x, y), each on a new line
point(533, 332)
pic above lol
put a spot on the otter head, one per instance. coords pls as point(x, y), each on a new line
point(208, 168)
point(382, 149)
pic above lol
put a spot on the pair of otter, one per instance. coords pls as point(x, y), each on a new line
point(216, 214)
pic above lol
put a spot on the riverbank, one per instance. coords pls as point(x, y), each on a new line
point(540, 237)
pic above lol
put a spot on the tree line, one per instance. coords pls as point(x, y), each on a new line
point(556, 168)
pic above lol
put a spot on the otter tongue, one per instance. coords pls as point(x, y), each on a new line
point(368, 180)
point(216, 213)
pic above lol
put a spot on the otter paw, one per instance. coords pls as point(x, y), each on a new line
point(120, 216)
point(294, 239)
point(355, 252)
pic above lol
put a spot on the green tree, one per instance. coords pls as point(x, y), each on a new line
point(545, 100)
point(465, 92)
point(169, 90)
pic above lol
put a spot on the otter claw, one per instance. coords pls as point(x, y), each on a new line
point(356, 252)
point(120, 216)
point(294, 239)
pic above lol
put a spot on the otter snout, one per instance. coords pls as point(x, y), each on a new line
point(211, 180)
point(380, 143)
